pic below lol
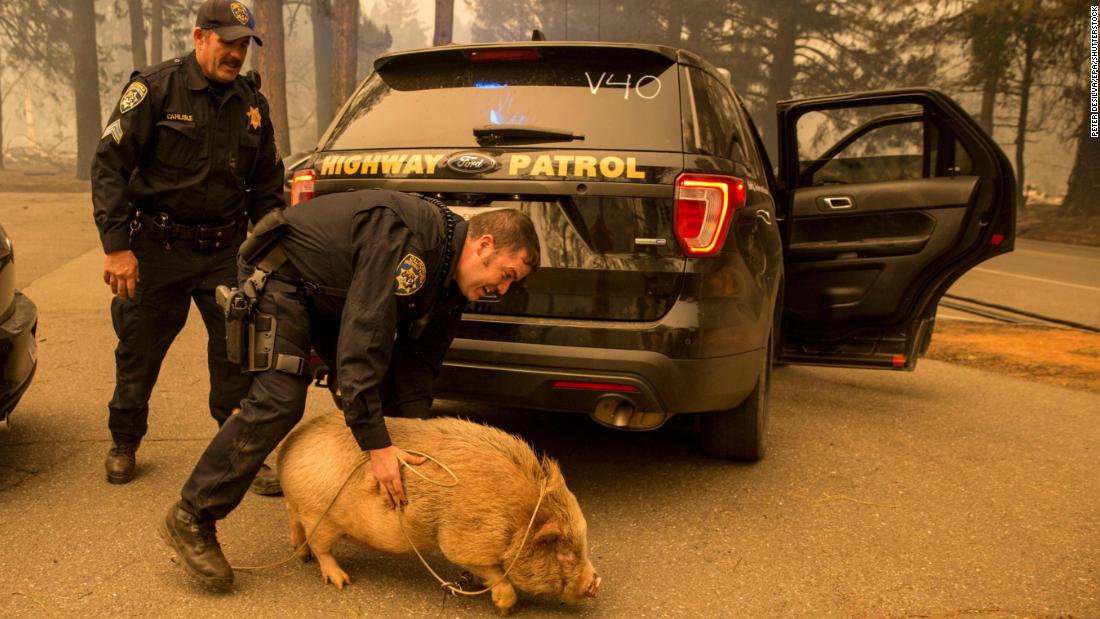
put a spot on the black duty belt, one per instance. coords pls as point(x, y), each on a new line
point(207, 237)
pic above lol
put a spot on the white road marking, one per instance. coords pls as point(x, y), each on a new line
point(1037, 279)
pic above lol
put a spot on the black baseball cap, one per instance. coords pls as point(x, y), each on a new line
point(230, 19)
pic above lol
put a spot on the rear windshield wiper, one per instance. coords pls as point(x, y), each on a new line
point(496, 134)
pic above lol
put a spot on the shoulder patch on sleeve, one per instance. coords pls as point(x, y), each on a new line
point(133, 96)
point(410, 275)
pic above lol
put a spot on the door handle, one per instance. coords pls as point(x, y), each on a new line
point(838, 203)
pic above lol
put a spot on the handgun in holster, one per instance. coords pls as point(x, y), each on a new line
point(238, 323)
point(249, 333)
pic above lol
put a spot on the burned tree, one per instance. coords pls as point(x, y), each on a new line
point(271, 63)
point(444, 22)
point(345, 44)
point(137, 33)
point(321, 16)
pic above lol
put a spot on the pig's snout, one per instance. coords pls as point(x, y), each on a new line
point(594, 587)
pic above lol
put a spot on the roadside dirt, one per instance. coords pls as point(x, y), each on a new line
point(37, 180)
point(1062, 357)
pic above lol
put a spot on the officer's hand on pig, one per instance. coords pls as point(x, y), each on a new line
point(386, 466)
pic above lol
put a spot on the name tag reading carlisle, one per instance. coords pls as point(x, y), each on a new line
point(410, 276)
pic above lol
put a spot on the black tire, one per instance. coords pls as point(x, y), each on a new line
point(738, 433)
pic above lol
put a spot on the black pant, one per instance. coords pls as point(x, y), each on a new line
point(169, 279)
point(275, 403)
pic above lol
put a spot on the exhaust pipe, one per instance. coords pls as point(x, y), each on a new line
point(617, 412)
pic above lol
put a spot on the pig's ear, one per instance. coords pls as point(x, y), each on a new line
point(548, 533)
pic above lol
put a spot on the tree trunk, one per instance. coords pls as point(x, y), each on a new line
point(1025, 99)
point(322, 60)
point(137, 34)
point(1, 112)
point(271, 63)
point(989, 99)
point(345, 48)
point(444, 22)
point(987, 31)
point(85, 84)
point(782, 72)
point(1083, 193)
point(156, 32)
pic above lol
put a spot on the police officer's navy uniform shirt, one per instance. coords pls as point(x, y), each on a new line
point(386, 249)
point(202, 152)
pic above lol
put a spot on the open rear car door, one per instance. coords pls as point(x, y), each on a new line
point(888, 198)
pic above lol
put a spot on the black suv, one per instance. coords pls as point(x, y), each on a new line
point(676, 266)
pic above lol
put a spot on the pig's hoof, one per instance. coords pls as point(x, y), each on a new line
point(504, 598)
point(336, 576)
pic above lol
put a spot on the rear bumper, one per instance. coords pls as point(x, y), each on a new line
point(524, 374)
point(18, 353)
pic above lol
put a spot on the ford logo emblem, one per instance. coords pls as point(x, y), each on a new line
point(471, 163)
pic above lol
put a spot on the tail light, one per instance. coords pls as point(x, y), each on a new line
point(301, 189)
point(704, 207)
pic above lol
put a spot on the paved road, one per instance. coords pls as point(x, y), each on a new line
point(1051, 279)
point(947, 492)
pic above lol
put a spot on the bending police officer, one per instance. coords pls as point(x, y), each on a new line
point(376, 282)
point(187, 157)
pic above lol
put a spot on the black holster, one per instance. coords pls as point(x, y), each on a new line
point(238, 321)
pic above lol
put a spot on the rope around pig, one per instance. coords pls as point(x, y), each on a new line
point(454, 587)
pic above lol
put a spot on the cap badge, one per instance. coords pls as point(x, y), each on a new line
point(240, 13)
point(254, 118)
point(410, 276)
point(134, 95)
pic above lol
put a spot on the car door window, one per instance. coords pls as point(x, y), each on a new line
point(875, 144)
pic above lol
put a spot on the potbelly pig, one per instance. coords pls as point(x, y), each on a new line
point(478, 524)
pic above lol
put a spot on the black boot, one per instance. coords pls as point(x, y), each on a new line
point(196, 543)
point(266, 482)
point(121, 461)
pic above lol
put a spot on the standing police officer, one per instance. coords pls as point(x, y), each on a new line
point(375, 281)
point(187, 157)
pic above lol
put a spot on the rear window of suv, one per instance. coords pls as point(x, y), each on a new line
point(618, 99)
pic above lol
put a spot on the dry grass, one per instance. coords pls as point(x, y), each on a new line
point(1061, 357)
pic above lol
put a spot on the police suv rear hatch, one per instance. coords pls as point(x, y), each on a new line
point(586, 139)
